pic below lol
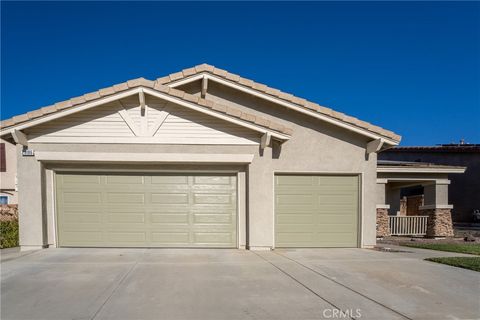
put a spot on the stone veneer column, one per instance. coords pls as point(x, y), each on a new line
point(439, 222)
point(383, 230)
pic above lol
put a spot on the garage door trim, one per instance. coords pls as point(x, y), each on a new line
point(320, 173)
point(240, 180)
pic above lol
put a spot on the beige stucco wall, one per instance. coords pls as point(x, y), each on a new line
point(8, 178)
point(31, 202)
point(315, 147)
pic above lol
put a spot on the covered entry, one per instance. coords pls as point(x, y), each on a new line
point(146, 210)
point(316, 211)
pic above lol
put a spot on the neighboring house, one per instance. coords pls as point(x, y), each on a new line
point(464, 191)
point(200, 158)
point(8, 173)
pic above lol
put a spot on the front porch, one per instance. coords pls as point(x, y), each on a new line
point(413, 199)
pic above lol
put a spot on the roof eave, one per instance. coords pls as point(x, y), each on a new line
point(133, 91)
point(404, 169)
point(388, 140)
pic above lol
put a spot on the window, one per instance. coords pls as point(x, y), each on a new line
point(3, 161)
point(3, 199)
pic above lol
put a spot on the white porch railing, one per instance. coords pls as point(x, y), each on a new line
point(408, 225)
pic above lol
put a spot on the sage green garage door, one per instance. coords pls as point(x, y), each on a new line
point(316, 211)
point(146, 210)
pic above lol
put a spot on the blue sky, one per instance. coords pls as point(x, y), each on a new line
point(411, 67)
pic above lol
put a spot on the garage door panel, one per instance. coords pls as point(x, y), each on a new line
point(295, 238)
point(214, 238)
point(76, 179)
point(335, 180)
point(316, 211)
point(300, 199)
point(326, 228)
point(211, 181)
point(295, 180)
point(336, 199)
point(126, 218)
point(295, 218)
point(212, 219)
point(162, 238)
point(125, 198)
point(169, 198)
point(170, 218)
point(126, 237)
point(294, 210)
point(129, 180)
point(146, 210)
point(334, 217)
point(83, 236)
point(82, 217)
point(213, 198)
point(81, 197)
point(175, 180)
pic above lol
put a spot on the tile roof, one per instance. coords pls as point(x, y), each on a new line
point(413, 164)
point(311, 106)
point(156, 85)
point(161, 84)
point(457, 148)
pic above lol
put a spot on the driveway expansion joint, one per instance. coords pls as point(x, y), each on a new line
point(115, 289)
point(300, 283)
point(344, 286)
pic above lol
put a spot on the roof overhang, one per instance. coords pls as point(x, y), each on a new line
point(138, 91)
point(292, 106)
point(432, 169)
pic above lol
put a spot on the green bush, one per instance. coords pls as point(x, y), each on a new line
point(8, 234)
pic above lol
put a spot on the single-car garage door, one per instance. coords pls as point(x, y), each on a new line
point(146, 210)
point(316, 211)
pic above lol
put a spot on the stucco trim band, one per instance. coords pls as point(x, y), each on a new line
point(144, 157)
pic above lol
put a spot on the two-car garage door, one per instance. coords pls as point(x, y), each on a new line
point(146, 210)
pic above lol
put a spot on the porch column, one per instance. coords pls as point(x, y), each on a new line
point(437, 209)
point(383, 228)
point(393, 198)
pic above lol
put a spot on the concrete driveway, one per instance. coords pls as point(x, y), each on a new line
point(235, 284)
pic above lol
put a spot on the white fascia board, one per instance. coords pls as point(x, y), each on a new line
point(391, 169)
point(72, 110)
point(417, 180)
point(436, 206)
point(285, 104)
point(143, 157)
point(215, 114)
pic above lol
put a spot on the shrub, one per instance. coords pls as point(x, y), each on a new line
point(8, 234)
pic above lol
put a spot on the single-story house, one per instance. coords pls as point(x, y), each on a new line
point(199, 158)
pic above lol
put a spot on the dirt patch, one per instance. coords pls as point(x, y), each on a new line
point(400, 240)
point(387, 249)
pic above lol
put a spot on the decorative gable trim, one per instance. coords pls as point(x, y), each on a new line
point(177, 97)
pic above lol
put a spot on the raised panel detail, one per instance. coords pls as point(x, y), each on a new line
point(316, 211)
